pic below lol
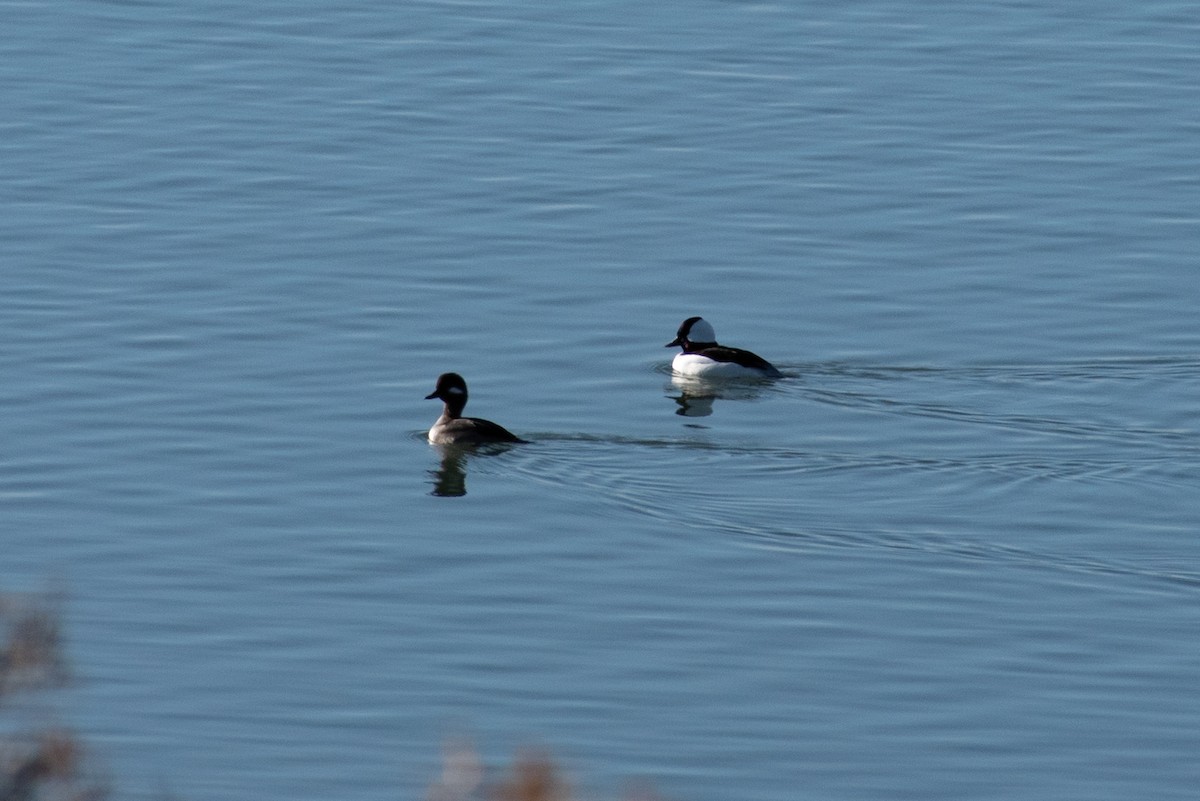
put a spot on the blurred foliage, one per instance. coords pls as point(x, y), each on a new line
point(533, 776)
point(46, 763)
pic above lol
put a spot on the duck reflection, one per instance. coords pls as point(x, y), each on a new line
point(450, 476)
point(697, 395)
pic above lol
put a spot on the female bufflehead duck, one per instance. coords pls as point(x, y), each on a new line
point(454, 429)
point(702, 356)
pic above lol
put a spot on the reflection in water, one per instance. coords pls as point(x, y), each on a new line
point(450, 477)
point(696, 394)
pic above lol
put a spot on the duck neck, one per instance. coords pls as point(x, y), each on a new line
point(693, 347)
point(452, 410)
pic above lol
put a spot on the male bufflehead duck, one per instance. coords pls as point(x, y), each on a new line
point(454, 429)
point(702, 356)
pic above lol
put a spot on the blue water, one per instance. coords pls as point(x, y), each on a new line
point(952, 554)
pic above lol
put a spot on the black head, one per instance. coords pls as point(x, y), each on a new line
point(450, 388)
point(693, 330)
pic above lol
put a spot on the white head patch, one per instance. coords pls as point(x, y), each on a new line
point(701, 331)
point(455, 391)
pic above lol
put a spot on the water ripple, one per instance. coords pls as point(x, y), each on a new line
point(772, 496)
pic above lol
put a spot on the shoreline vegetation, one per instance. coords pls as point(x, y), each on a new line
point(532, 776)
point(41, 762)
point(37, 761)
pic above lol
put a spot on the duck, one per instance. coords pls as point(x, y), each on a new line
point(703, 357)
point(454, 429)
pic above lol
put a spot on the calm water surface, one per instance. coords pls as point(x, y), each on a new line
point(952, 554)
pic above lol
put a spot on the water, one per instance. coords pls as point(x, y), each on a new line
point(951, 554)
